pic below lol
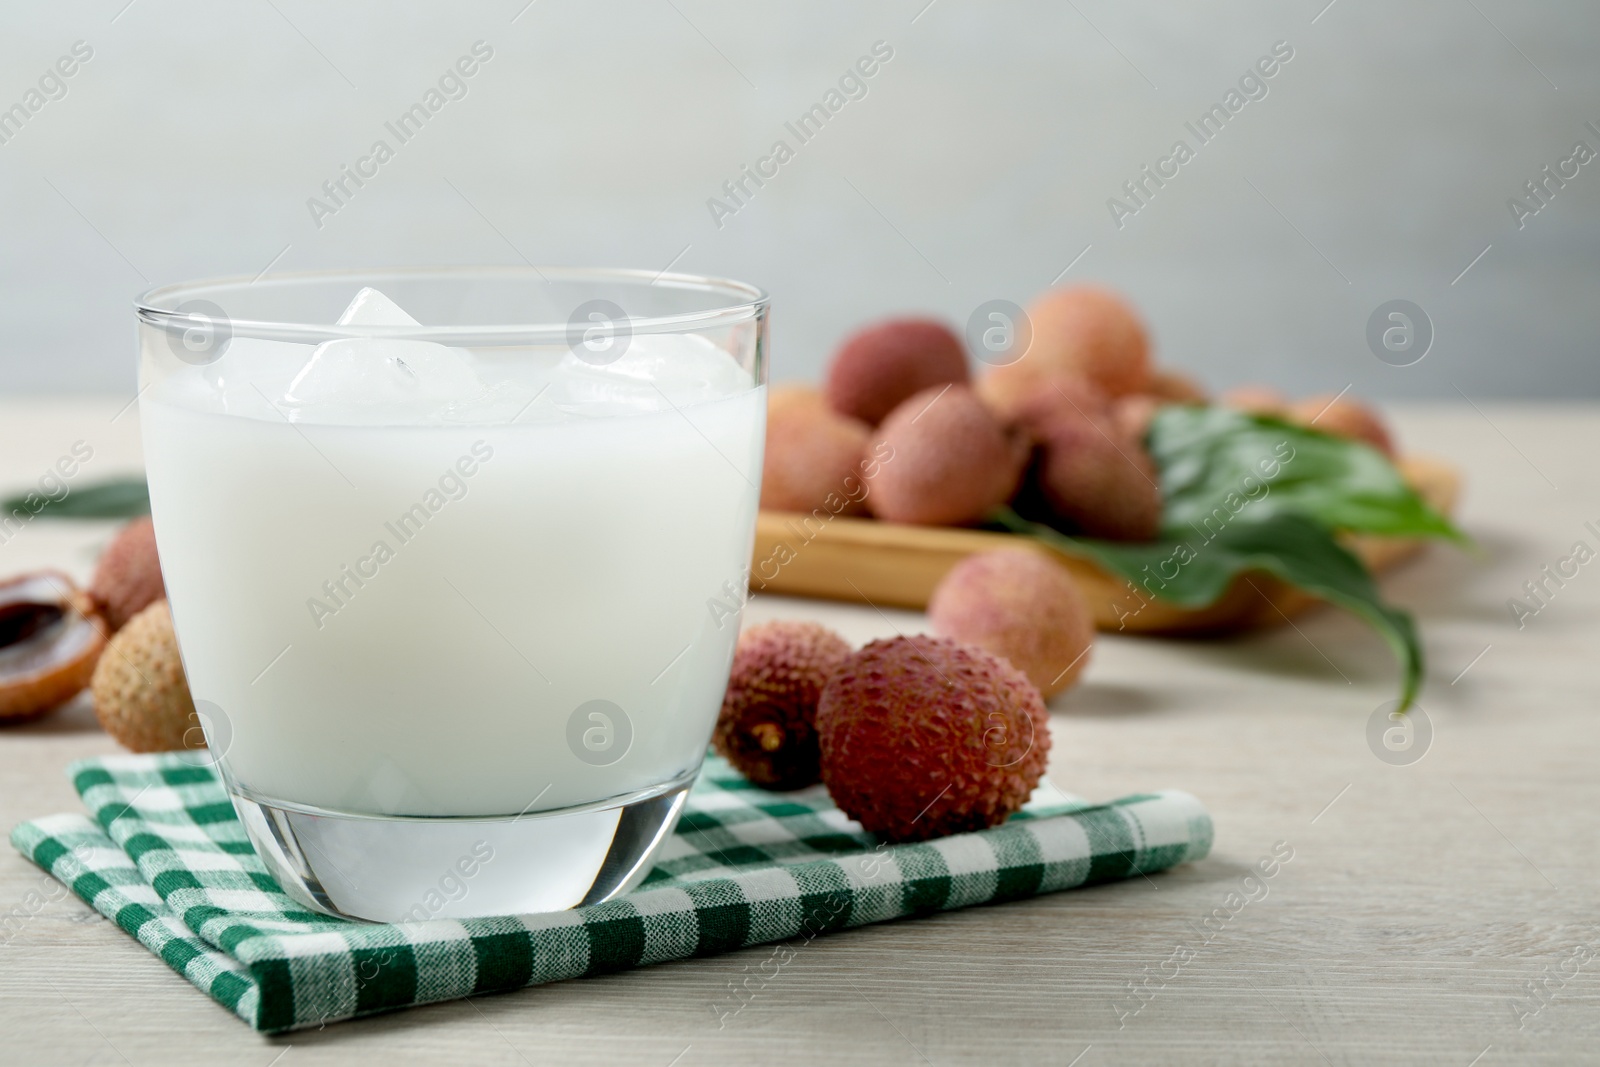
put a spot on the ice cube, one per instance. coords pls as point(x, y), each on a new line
point(370, 380)
point(656, 372)
point(372, 308)
point(248, 379)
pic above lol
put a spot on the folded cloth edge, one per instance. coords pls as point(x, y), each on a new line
point(264, 980)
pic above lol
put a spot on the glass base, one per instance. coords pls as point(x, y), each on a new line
point(410, 869)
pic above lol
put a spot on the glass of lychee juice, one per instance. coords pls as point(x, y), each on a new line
point(455, 559)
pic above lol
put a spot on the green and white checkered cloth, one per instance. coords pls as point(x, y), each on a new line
point(165, 858)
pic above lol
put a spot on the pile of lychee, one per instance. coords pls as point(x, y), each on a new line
point(115, 638)
point(915, 736)
point(902, 432)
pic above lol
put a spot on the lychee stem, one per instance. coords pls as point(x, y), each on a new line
point(768, 736)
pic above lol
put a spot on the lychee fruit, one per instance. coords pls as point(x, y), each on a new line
point(1093, 475)
point(877, 367)
point(1175, 387)
point(767, 728)
point(946, 460)
point(1345, 417)
point(1132, 415)
point(1020, 399)
point(50, 637)
point(1255, 400)
point(140, 694)
point(1086, 331)
point(925, 736)
point(1020, 605)
point(813, 455)
point(128, 577)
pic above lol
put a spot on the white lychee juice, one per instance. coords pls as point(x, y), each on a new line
point(439, 601)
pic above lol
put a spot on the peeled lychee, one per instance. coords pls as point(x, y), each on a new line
point(947, 460)
point(813, 455)
point(128, 577)
point(1343, 417)
point(767, 728)
point(140, 694)
point(924, 736)
point(879, 366)
point(1019, 605)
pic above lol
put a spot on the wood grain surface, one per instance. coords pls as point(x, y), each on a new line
point(1420, 903)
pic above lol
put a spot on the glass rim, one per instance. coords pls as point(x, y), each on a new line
point(161, 305)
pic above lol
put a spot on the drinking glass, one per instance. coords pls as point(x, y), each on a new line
point(455, 559)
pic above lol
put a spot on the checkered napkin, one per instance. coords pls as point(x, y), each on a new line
point(166, 860)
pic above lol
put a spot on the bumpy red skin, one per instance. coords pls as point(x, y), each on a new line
point(951, 461)
point(879, 366)
point(779, 669)
point(924, 736)
point(128, 577)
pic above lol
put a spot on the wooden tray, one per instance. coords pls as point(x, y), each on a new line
point(891, 564)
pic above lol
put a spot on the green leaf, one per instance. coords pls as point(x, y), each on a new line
point(115, 498)
point(1194, 571)
point(1219, 466)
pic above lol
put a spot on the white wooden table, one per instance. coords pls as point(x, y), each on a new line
point(1420, 902)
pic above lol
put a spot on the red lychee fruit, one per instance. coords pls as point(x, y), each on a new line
point(141, 695)
point(1175, 387)
point(878, 366)
point(1094, 332)
point(1256, 400)
point(924, 736)
point(1343, 417)
point(1132, 415)
point(948, 460)
point(1092, 474)
point(1088, 332)
point(128, 577)
point(813, 455)
point(1019, 605)
point(1022, 399)
point(767, 728)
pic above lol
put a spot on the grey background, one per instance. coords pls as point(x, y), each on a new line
point(978, 166)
